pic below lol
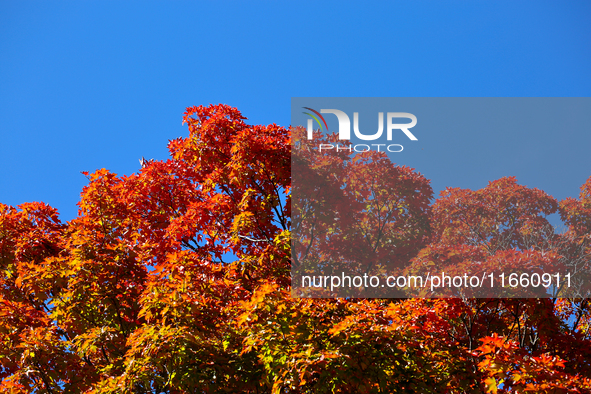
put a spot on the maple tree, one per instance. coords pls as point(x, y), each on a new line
point(177, 279)
point(356, 213)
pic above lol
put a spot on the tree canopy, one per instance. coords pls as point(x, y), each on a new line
point(177, 279)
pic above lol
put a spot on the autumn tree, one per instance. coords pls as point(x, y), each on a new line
point(353, 213)
point(177, 279)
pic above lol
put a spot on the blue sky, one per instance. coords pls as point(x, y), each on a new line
point(88, 84)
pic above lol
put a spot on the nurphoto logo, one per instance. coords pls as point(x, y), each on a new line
point(345, 130)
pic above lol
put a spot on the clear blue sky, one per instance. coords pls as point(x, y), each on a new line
point(93, 84)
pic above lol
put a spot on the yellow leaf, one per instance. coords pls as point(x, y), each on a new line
point(491, 385)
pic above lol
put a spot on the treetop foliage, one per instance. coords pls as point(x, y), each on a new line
point(176, 279)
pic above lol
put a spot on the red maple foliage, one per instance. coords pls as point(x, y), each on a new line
point(177, 279)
